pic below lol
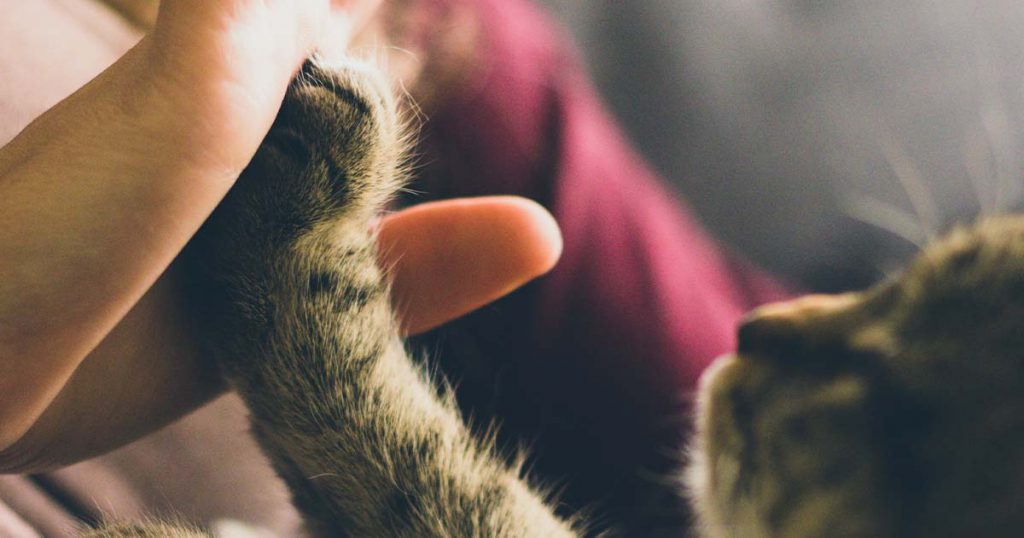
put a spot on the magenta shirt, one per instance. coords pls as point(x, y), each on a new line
point(596, 362)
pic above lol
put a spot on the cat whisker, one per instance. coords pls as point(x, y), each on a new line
point(924, 224)
point(978, 166)
point(887, 217)
point(912, 182)
point(995, 125)
point(322, 475)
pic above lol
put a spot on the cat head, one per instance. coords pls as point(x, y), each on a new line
point(898, 411)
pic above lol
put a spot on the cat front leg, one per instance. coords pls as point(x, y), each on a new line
point(303, 329)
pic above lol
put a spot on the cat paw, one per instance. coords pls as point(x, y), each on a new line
point(338, 126)
point(333, 154)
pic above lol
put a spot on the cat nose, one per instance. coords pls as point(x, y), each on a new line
point(783, 328)
point(765, 335)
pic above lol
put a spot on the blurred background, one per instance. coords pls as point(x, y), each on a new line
point(822, 139)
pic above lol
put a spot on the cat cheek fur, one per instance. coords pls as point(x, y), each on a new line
point(784, 443)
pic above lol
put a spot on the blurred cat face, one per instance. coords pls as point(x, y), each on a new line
point(894, 412)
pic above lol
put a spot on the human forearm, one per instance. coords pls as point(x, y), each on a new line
point(146, 373)
point(96, 199)
point(99, 194)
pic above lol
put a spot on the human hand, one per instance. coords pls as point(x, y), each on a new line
point(449, 258)
point(100, 194)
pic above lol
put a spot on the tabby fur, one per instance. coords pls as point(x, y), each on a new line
point(301, 325)
point(896, 412)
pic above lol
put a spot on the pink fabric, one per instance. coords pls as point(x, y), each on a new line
point(595, 362)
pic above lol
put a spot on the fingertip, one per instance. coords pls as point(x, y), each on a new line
point(540, 234)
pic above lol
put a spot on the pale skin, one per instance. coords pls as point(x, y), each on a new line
point(100, 194)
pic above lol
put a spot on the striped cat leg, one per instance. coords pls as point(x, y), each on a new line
point(307, 336)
